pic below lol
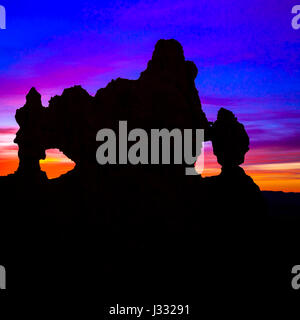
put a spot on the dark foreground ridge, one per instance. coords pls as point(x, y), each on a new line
point(150, 227)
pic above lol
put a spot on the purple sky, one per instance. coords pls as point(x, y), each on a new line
point(246, 52)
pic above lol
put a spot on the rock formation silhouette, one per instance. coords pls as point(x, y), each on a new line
point(229, 139)
point(133, 220)
point(164, 96)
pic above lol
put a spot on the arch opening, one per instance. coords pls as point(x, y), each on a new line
point(56, 163)
point(211, 166)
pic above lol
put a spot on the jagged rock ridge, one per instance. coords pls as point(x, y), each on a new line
point(140, 212)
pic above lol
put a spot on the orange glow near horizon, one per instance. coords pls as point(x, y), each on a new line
point(269, 176)
point(8, 166)
point(56, 164)
point(56, 169)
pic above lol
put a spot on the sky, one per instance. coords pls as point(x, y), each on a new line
point(247, 54)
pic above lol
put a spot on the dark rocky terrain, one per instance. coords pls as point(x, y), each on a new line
point(141, 228)
point(283, 205)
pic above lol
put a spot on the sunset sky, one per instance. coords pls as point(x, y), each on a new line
point(247, 54)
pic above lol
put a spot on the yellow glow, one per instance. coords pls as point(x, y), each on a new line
point(56, 160)
point(275, 166)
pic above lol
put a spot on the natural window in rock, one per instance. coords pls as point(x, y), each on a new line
point(56, 163)
point(211, 167)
